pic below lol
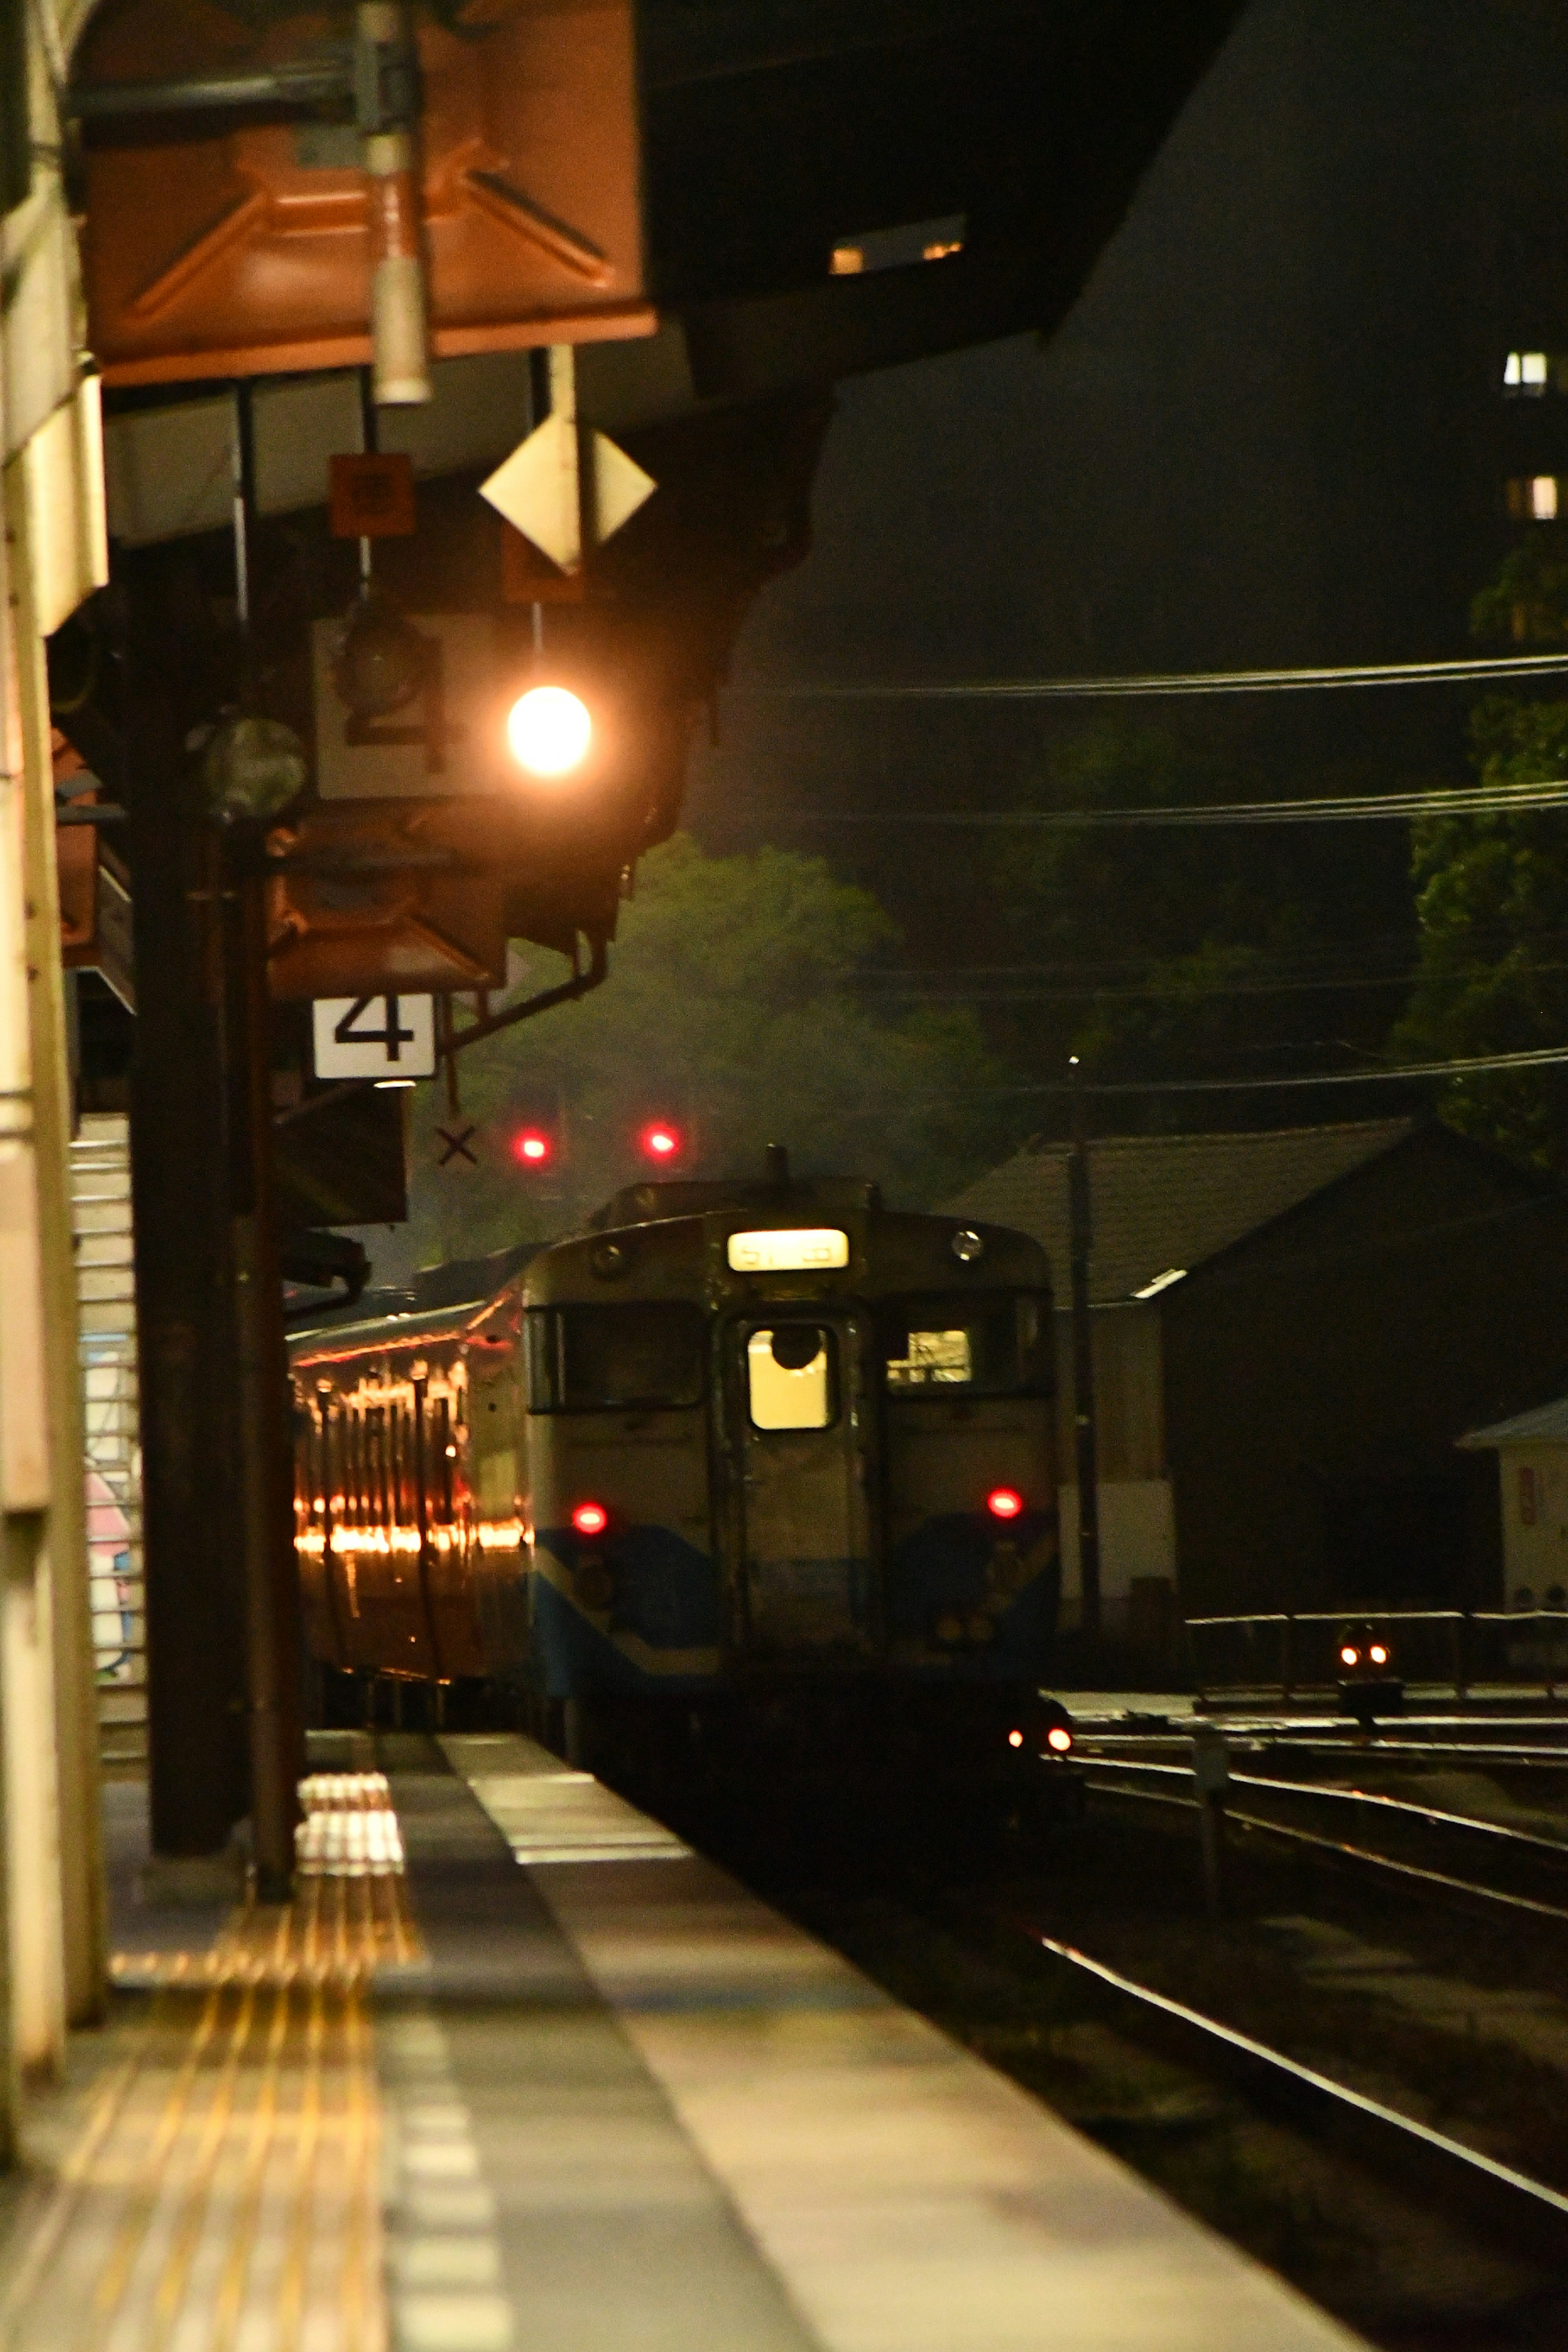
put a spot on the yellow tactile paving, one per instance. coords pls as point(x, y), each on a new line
point(223, 2195)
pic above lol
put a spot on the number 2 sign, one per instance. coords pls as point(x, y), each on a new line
point(374, 1036)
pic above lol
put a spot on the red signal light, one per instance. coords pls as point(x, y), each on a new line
point(1004, 1502)
point(590, 1519)
point(530, 1148)
point(659, 1139)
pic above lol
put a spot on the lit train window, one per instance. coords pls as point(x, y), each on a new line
point(790, 1378)
point(936, 1356)
point(992, 1343)
point(599, 1358)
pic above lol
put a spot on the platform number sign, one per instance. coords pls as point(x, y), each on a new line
point(374, 1036)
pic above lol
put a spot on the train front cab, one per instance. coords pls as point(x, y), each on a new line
point(794, 1486)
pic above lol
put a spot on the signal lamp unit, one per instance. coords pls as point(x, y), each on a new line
point(548, 730)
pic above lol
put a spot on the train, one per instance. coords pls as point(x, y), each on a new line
point(760, 1468)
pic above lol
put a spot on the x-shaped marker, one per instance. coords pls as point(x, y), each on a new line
point(456, 1144)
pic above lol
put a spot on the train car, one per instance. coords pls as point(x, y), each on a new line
point(765, 1464)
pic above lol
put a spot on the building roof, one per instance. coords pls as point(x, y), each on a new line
point(1162, 1204)
point(1544, 1423)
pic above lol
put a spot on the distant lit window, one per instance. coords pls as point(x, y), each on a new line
point(1526, 371)
point(912, 242)
point(1535, 497)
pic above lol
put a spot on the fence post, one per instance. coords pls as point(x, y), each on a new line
point(1288, 1658)
point(1211, 1772)
point(1462, 1653)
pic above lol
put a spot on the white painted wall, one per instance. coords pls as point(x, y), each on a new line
point(1137, 1537)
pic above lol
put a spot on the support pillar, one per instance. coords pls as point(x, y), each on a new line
point(196, 1634)
point(75, 1688)
point(33, 2031)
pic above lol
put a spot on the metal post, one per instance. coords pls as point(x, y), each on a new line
point(271, 1592)
point(1210, 1776)
point(1084, 1432)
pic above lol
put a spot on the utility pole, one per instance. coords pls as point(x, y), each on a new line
point(1081, 1241)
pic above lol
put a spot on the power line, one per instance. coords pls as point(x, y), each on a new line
point(1179, 991)
point(1351, 808)
point(1546, 1058)
point(1166, 683)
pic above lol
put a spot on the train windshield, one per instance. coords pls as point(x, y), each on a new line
point(595, 1359)
point(987, 1343)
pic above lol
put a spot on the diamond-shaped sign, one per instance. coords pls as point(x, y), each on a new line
point(538, 490)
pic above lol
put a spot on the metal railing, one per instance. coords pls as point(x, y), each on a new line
point(1463, 1652)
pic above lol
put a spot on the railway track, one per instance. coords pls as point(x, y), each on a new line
point(1527, 2215)
point(1538, 1865)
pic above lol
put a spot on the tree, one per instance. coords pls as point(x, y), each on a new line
point(1205, 951)
point(1491, 895)
point(731, 1013)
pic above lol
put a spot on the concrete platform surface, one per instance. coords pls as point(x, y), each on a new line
point(517, 2072)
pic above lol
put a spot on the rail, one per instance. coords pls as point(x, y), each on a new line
point(1418, 1876)
point(1522, 2210)
point(1289, 1653)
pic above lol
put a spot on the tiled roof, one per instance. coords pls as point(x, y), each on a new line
point(1167, 1201)
point(1547, 1421)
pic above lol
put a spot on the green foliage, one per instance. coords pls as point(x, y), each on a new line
point(731, 1009)
point(1209, 950)
point(1492, 897)
point(1528, 600)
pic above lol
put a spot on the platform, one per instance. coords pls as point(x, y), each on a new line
point(517, 2072)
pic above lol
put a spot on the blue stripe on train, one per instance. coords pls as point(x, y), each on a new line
point(664, 1594)
point(999, 1589)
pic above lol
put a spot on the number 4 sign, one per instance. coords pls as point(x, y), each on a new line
point(374, 1036)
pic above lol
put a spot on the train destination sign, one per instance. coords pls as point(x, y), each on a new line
point(799, 1250)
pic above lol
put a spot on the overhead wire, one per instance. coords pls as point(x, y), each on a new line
point(1338, 677)
point(1346, 808)
point(1462, 1065)
point(1483, 800)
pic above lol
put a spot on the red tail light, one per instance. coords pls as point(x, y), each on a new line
point(1059, 1739)
point(590, 1519)
point(1004, 1502)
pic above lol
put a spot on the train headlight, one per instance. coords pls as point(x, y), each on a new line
point(1059, 1739)
point(1378, 1655)
point(1015, 1740)
point(1349, 1657)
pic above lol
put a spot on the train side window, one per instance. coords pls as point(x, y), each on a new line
point(791, 1377)
point(991, 1343)
point(604, 1359)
